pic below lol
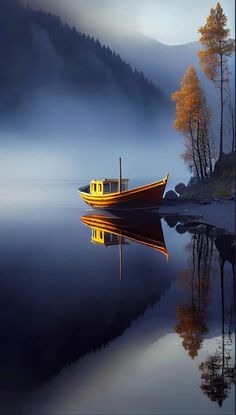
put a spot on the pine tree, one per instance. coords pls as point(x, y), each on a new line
point(218, 47)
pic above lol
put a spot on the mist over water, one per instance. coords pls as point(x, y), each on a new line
point(59, 135)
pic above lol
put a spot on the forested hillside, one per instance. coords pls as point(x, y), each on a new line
point(38, 50)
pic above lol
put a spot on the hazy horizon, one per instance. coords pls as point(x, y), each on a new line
point(78, 139)
point(171, 23)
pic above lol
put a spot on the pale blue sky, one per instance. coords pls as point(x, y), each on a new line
point(169, 21)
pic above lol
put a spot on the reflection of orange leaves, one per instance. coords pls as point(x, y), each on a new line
point(192, 316)
point(191, 329)
point(189, 246)
point(185, 278)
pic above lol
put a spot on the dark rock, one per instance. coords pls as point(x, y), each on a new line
point(193, 181)
point(225, 162)
point(201, 228)
point(226, 247)
point(195, 227)
point(171, 195)
point(220, 184)
point(231, 197)
point(189, 218)
point(180, 228)
point(205, 201)
point(180, 188)
point(171, 220)
point(214, 232)
point(192, 226)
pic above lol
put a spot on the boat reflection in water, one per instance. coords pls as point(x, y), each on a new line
point(145, 229)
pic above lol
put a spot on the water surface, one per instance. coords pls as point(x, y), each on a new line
point(109, 323)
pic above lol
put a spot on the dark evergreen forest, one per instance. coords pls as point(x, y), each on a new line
point(40, 52)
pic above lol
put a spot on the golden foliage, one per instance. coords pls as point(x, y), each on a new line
point(216, 42)
point(189, 99)
point(192, 117)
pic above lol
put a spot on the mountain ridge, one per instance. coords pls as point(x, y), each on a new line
point(38, 48)
point(164, 64)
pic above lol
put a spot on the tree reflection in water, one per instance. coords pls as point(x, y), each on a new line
point(217, 372)
point(192, 316)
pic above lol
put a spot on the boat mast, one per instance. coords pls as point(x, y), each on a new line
point(120, 256)
point(120, 175)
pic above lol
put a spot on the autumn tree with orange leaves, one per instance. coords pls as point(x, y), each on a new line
point(217, 48)
point(192, 118)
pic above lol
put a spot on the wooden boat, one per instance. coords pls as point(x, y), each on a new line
point(143, 229)
point(113, 194)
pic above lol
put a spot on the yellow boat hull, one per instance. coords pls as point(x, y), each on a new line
point(144, 197)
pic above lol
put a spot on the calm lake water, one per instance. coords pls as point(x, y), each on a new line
point(134, 321)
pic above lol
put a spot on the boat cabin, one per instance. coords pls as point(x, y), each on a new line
point(102, 237)
point(102, 187)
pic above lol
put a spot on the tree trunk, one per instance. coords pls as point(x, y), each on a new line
point(232, 116)
point(199, 153)
point(221, 106)
point(233, 130)
point(209, 156)
point(204, 139)
point(193, 152)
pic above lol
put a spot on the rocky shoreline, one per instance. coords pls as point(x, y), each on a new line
point(212, 201)
point(220, 214)
point(219, 186)
point(224, 241)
